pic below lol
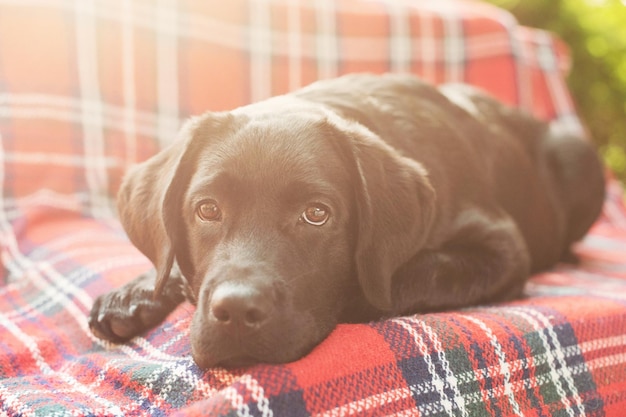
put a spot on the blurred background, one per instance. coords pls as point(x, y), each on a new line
point(595, 31)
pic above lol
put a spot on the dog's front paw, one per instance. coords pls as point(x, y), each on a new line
point(128, 311)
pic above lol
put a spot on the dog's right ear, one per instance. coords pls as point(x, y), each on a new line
point(155, 183)
point(395, 208)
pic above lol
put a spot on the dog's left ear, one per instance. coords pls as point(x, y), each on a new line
point(395, 204)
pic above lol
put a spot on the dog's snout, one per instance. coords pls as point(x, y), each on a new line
point(240, 306)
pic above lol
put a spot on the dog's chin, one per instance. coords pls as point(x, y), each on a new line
point(235, 360)
point(230, 354)
point(238, 362)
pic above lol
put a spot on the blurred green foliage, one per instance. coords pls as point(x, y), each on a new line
point(595, 31)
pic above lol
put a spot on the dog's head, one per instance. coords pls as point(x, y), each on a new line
point(279, 219)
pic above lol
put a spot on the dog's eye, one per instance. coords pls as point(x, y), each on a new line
point(209, 211)
point(316, 214)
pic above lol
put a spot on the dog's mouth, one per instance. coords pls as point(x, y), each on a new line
point(231, 357)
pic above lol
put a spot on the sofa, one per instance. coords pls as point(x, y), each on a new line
point(89, 88)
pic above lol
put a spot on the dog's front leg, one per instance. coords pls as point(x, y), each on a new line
point(481, 264)
point(132, 309)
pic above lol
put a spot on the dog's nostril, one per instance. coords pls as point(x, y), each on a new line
point(221, 314)
point(254, 316)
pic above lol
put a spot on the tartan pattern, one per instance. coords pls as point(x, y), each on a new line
point(88, 87)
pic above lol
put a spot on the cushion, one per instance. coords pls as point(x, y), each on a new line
point(89, 88)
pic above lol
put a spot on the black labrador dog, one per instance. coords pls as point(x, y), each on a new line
point(350, 200)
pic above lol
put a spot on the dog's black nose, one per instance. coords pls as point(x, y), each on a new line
point(240, 306)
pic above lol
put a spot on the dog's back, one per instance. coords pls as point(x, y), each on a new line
point(578, 178)
point(476, 149)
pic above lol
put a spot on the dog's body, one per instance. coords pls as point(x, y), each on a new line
point(350, 200)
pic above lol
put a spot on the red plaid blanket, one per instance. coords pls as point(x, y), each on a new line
point(89, 87)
